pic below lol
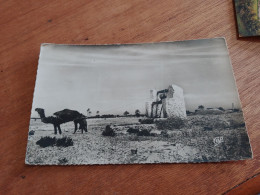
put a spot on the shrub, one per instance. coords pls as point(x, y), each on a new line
point(132, 130)
point(164, 134)
point(64, 142)
point(208, 128)
point(108, 131)
point(62, 160)
point(209, 122)
point(144, 133)
point(220, 124)
point(170, 123)
point(46, 141)
point(146, 121)
point(31, 132)
point(52, 141)
point(236, 123)
point(134, 151)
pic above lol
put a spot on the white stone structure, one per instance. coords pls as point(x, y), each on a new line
point(170, 104)
point(148, 104)
point(174, 104)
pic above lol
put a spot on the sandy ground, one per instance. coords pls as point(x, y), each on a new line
point(189, 144)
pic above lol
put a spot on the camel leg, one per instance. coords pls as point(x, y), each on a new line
point(59, 128)
point(76, 127)
point(83, 126)
point(55, 129)
point(86, 129)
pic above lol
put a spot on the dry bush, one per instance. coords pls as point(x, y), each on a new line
point(64, 142)
point(220, 124)
point(143, 133)
point(146, 121)
point(62, 161)
point(31, 132)
point(46, 141)
point(209, 122)
point(236, 123)
point(170, 123)
point(132, 130)
point(108, 131)
point(52, 141)
point(164, 134)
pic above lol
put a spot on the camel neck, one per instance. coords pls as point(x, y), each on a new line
point(42, 115)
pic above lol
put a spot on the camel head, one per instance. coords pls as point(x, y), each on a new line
point(83, 125)
point(40, 111)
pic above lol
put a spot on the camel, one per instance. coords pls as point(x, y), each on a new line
point(64, 116)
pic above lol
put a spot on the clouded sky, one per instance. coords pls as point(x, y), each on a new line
point(115, 78)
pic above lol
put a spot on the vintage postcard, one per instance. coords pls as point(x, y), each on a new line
point(248, 17)
point(167, 102)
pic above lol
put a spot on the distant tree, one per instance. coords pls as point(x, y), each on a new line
point(126, 113)
point(137, 113)
point(108, 116)
point(88, 112)
point(235, 110)
point(220, 108)
point(201, 107)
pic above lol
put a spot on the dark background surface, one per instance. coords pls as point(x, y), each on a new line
point(27, 24)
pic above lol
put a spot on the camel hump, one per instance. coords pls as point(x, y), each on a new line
point(68, 114)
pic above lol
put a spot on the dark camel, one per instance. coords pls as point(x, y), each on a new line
point(64, 116)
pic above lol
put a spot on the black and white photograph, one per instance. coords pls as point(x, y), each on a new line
point(165, 102)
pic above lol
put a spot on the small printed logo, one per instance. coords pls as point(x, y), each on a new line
point(218, 140)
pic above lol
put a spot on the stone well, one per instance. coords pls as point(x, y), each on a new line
point(172, 104)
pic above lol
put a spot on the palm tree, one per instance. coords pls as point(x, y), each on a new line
point(88, 112)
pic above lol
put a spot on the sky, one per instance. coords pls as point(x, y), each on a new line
point(113, 79)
